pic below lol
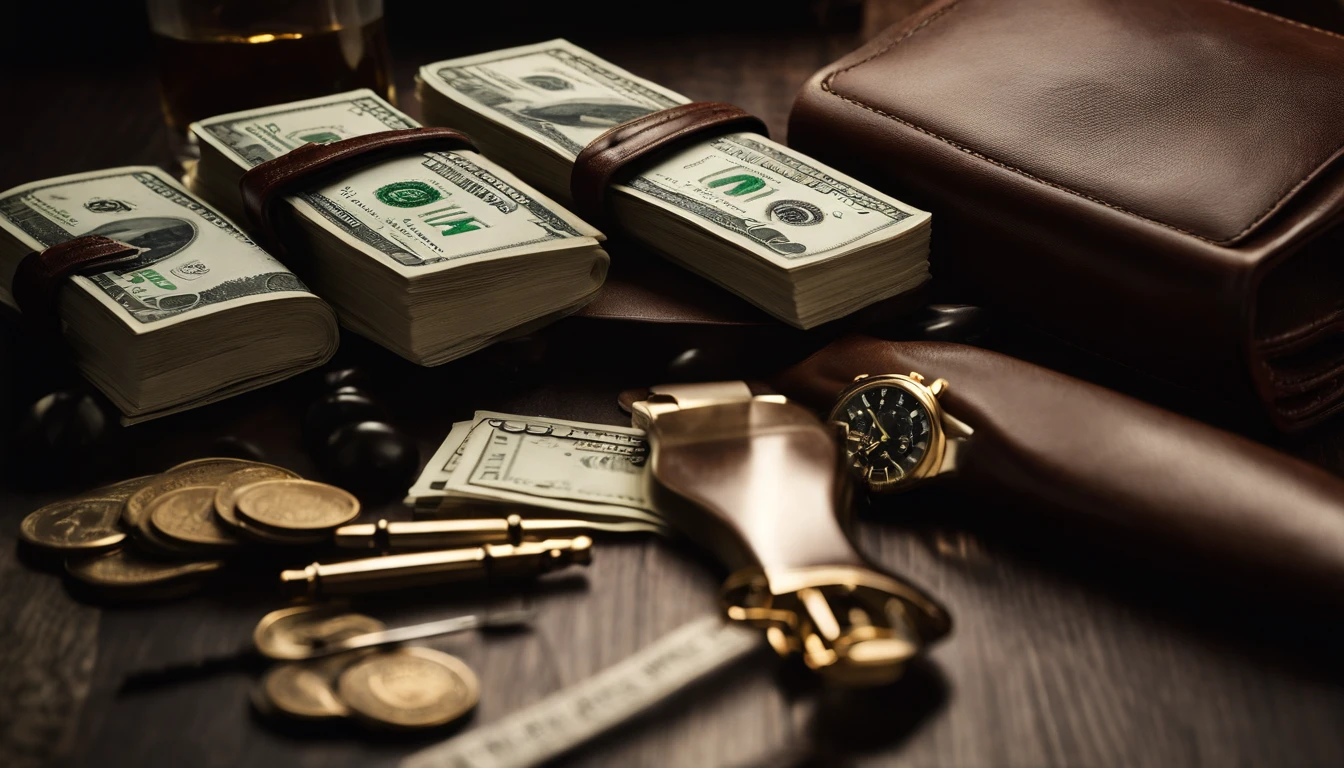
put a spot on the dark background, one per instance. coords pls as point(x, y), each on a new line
point(1062, 654)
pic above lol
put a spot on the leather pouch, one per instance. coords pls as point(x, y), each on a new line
point(1117, 470)
point(1159, 182)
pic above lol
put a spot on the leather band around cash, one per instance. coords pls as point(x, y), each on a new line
point(1119, 471)
point(40, 274)
point(608, 155)
point(264, 185)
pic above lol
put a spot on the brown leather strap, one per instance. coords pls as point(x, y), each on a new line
point(1127, 474)
point(309, 164)
point(607, 155)
point(40, 274)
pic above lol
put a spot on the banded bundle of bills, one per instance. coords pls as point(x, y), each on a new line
point(432, 255)
point(202, 314)
point(499, 460)
point(798, 239)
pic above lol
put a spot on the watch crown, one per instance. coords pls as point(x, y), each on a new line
point(917, 377)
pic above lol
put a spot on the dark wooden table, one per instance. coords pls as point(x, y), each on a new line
point(1059, 657)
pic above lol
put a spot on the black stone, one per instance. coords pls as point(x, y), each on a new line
point(372, 459)
point(347, 377)
point(58, 437)
point(347, 405)
point(950, 322)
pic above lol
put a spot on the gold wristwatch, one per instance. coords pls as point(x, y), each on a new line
point(896, 432)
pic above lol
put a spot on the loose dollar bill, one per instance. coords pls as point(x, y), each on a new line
point(592, 471)
point(434, 254)
point(171, 329)
point(802, 240)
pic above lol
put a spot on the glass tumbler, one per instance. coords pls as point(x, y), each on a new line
point(229, 55)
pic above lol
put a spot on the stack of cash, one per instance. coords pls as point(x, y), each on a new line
point(561, 468)
point(798, 239)
point(433, 255)
point(201, 315)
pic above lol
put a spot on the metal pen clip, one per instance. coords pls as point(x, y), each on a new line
point(490, 561)
point(441, 534)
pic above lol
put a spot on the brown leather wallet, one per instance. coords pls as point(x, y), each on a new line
point(1127, 473)
point(1160, 182)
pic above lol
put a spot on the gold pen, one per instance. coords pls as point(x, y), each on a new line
point(445, 534)
point(489, 561)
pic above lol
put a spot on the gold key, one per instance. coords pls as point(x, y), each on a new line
point(443, 534)
point(490, 561)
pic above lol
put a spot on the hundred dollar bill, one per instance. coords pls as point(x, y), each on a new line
point(176, 327)
point(419, 252)
point(194, 260)
point(538, 106)
point(593, 471)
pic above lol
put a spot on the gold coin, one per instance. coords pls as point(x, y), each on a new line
point(409, 688)
point(295, 505)
point(287, 539)
point(121, 490)
point(228, 488)
point(198, 472)
point(306, 690)
point(292, 633)
point(124, 570)
point(187, 515)
point(85, 525)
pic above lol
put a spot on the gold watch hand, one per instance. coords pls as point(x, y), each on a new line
point(885, 436)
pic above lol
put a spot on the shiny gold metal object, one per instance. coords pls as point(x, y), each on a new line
point(760, 482)
point(941, 445)
point(186, 517)
point(303, 690)
point(293, 634)
point(124, 574)
point(409, 688)
point(227, 488)
point(857, 625)
point(77, 525)
point(490, 561)
point(301, 506)
point(447, 534)
point(198, 472)
point(120, 490)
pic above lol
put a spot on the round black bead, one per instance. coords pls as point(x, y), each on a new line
point(57, 436)
point(347, 405)
point(950, 322)
point(347, 377)
point(371, 458)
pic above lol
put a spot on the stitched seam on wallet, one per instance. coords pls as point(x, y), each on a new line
point(827, 87)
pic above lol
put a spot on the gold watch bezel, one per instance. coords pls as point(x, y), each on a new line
point(931, 463)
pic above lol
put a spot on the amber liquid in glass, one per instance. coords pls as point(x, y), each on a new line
point(215, 75)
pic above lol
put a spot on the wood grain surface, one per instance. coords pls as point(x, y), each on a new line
point(1058, 657)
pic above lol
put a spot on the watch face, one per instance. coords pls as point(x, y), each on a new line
point(890, 431)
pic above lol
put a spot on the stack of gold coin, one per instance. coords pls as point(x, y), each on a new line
point(401, 688)
point(291, 511)
point(162, 535)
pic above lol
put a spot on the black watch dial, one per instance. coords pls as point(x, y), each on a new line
point(889, 433)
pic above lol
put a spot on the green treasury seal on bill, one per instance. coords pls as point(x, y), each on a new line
point(407, 194)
